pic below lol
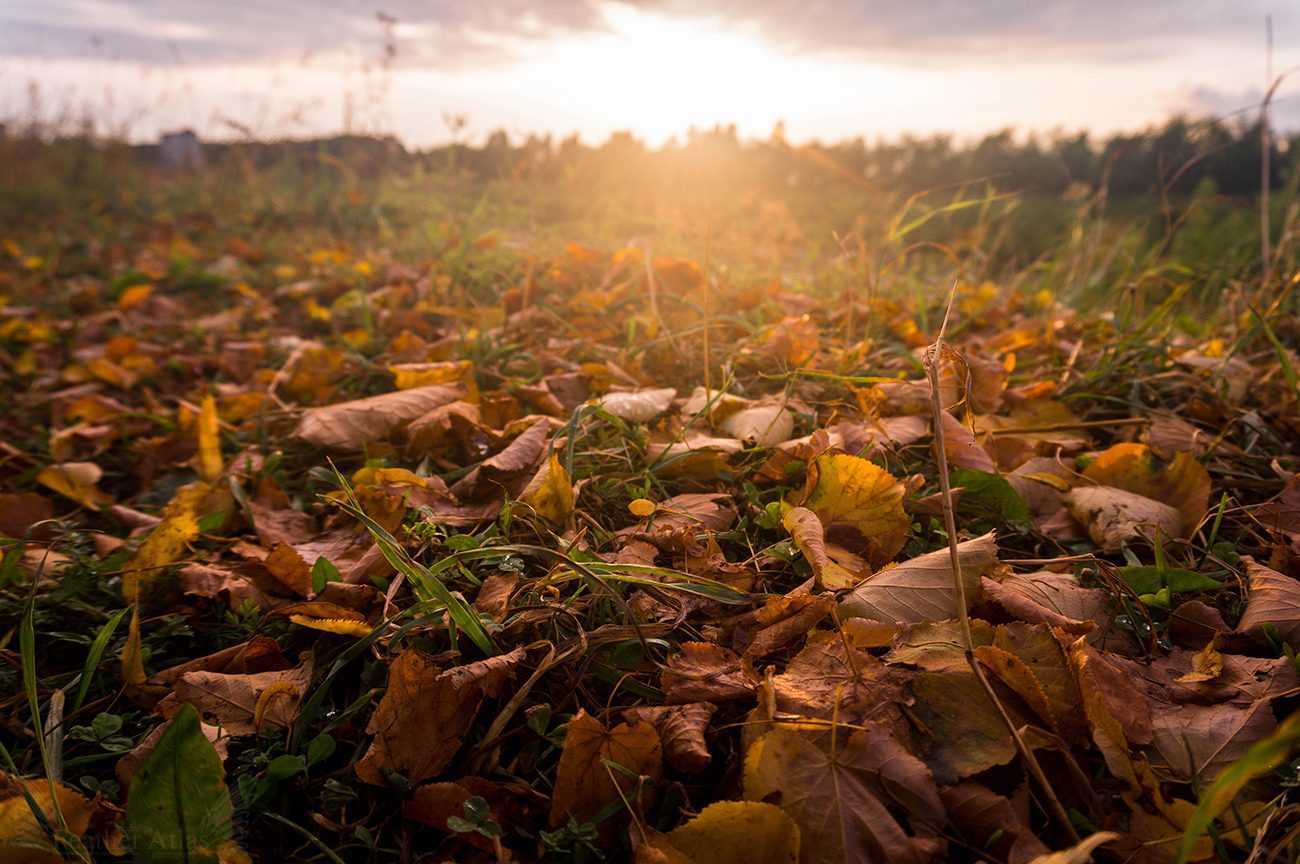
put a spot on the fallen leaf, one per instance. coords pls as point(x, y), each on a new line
point(729, 832)
point(549, 495)
point(639, 406)
point(356, 424)
point(1271, 598)
point(834, 785)
point(922, 589)
point(584, 784)
point(20, 831)
point(231, 701)
point(991, 822)
point(1199, 741)
point(681, 730)
point(808, 534)
point(860, 504)
point(420, 723)
point(76, 480)
point(1115, 518)
point(1183, 484)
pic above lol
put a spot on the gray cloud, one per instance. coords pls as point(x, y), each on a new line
point(936, 29)
point(447, 33)
point(457, 33)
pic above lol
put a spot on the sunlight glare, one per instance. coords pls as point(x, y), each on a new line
point(658, 76)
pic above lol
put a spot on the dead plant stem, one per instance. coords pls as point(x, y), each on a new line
point(950, 525)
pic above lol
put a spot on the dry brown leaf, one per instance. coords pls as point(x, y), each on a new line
point(705, 672)
point(808, 534)
point(834, 785)
point(426, 711)
point(1271, 598)
point(708, 509)
point(961, 448)
point(232, 700)
point(785, 620)
point(361, 422)
point(922, 589)
point(826, 681)
point(584, 784)
point(990, 821)
point(1114, 518)
point(1199, 741)
point(681, 730)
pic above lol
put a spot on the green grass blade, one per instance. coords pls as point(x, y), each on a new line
point(97, 649)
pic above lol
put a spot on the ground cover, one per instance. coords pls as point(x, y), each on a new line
point(358, 520)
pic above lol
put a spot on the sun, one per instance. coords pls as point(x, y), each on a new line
point(658, 76)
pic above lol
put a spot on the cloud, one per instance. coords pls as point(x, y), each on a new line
point(451, 34)
point(446, 34)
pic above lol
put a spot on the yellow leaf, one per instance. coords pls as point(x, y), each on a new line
point(133, 296)
point(342, 626)
point(111, 373)
point(76, 480)
point(21, 836)
point(370, 476)
point(277, 690)
point(550, 493)
point(408, 375)
point(732, 832)
point(209, 435)
point(849, 490)
point(166, 543)
point(642, 507)
point(809, 535)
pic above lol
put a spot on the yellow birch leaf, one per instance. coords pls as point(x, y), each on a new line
point(209, 436)
point(76, 480)
point(849, 490)
point(165, 544)
point(642, 507)
point(409, 375)
point(809, 535)
point(111, 373)
point(550, 493)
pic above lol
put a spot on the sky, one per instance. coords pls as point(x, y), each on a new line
point(431, 71)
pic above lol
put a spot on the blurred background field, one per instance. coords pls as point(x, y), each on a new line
point(1128, 218)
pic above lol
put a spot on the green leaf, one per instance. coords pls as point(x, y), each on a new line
point(476, 809)
point(284, 767)
point(179, 808)
point(321, 747)
point(1150, 579)
point(994, 492)
point(322, 573)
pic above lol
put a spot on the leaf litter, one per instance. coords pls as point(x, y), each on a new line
point(442, 583)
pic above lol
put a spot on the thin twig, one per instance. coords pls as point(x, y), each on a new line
point(932, 360)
